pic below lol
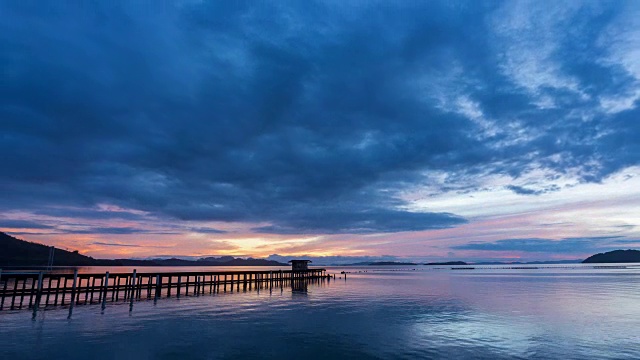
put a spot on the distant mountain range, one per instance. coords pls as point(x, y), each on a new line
point(16, 252)
point(529, 262)
point(454, 263)
point(20, 253)
point(616, 256)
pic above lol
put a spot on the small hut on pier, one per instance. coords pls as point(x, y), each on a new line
point(299, 265)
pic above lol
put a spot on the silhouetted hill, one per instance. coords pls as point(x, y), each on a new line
point(16, 252)
point(616, 256)
point(448, 263)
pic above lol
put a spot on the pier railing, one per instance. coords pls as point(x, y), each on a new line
point(33, 290)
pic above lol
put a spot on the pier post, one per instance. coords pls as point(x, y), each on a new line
point(116, 290)
point(132, 294)
point(31, 292)
point(64, 290)
point(93, 286)
point(127, 284)
point(155, 300)
point(106, 288)
point(73, 292)
point(38, 296)
point(149, 287)
point(24, 287)
point(4, 293)
point(55, 299)
point(13, 297)
point(179, 283)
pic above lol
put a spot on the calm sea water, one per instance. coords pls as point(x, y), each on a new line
point(383, 313)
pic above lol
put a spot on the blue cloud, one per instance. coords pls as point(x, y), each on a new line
point(309, 117)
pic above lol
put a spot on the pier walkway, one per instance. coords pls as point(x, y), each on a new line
point(33, 290)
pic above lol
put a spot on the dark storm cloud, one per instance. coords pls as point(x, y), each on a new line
point(107, 230)
point(305, 116)
point(520, 190)
point(523, 191)
point(22, 224)
point(101, 243)
point(203, 230)
point(114, 244)
point(354, 221)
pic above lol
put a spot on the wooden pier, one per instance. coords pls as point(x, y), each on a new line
point(34, 290)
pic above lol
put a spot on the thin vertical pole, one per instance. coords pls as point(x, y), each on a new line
point(73, 293)
point(106, 288)
point(179, 283)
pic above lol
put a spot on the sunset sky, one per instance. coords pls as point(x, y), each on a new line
point(415, 130)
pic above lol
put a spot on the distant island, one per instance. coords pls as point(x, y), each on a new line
point(20, 253)
point(448, 263)
point(551, 262)
point(616, 256)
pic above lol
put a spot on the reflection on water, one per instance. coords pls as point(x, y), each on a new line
point(385, 313)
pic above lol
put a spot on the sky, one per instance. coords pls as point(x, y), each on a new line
point(422, 130)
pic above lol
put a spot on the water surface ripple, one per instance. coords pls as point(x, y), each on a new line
point(383, 313)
